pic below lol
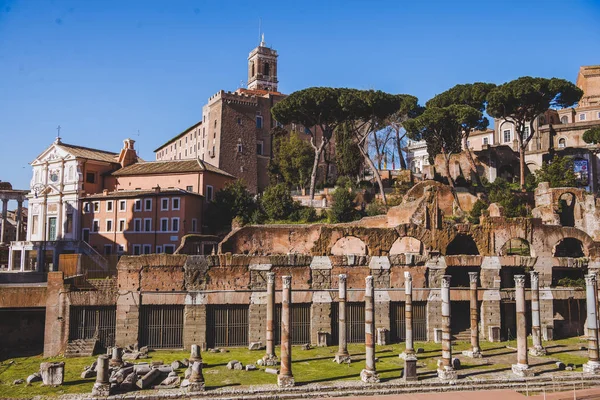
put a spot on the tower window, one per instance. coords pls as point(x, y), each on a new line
point(259, 148)
point(259, 121)
point(239, 121)
point(267, 69)
point(252, 69)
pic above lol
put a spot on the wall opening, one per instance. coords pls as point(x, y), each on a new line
point(22, 332)
point(516, 247)
point(300, 323)
point(569, 318)
point(508, 316)
point(355, 322)
point(349, 245)
point(507, 276)
point(460, 276)
point(161, 327)
point(462, 244)
point(569, 247)
point(93, 322)
point(566, 209)
point(569, 277)
point(407, 245)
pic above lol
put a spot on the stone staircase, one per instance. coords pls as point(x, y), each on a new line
point(462, 336)
point(81, 348)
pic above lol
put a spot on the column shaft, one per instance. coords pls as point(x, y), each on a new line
point(369, 374)
point(285, 377)
point(536, 326)
point(522, 366)
point(4, 219)
point(342, 354)
point(592, 318)
point(446, 330)
point(473, 276)
point(19, 220)
point(270, 314)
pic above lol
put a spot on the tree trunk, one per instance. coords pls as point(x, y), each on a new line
point(376, 172)
point(450, 180)
point(399, 147)
point(522, 166)
point(313, 175)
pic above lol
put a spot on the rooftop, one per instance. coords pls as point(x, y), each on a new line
point(140, 193)
point(174, 138)
point(169, 167)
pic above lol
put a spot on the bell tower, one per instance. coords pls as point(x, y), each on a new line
point(262, 68)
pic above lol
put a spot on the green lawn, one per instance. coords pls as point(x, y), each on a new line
point(313, 365)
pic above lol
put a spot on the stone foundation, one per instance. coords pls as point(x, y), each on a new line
point(284, 381)
point(342, 359)
point(472, 354)
point(591, 367)
point(369, 376)
point(522, 370)
point(447, 374)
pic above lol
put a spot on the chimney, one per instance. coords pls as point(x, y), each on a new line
point(128, 154)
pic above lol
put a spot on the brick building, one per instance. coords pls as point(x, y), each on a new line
point(234, 133)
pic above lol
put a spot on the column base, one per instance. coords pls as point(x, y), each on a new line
point(342, 359)
point(537, 351)
point(447, 374)
point(405, 354)
point(101, 389)
point(472, 353)
point(285, 381)
point(195, 387)
point(270, 360)
point(369, 376)
point(522, 370)
point(591, 367)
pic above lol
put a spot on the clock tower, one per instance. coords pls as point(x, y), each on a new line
point(262, 68)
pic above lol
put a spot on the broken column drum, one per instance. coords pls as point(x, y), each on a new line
point(195, 354)
point(285, 377)
point(475, 350)
point(536, 328)
point(117, 357)
point(102, 386)
point(270, 358)
point(196, 378)
point(445, 370)
point(369, 373)
point(593, 364)
point(342, 354)
point(521, 368)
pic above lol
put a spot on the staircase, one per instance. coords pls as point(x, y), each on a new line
point(81, 348)
point(98, 259)
point(462, 336)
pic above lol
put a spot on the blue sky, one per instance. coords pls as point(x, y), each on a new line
point(104, 70)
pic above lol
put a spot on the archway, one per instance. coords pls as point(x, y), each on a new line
point(462, 244)
point(566, 209)
point(407, 245)
point(516, 247)
point(569, 247)
point(349, 245)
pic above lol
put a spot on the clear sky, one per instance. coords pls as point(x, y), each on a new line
point(106, 70)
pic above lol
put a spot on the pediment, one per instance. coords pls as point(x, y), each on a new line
point(52, 153)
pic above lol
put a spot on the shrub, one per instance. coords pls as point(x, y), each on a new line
point(559, 172)
point(342, 209)
point(277, 202)
point(477, 210)
point(308, 214)
point(345, 182)
point(234, 201)
point(376, 208)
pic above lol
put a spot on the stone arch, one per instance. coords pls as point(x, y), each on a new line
point(532, 166)
point(564, 119)
point(462, 244)
point(569, 247)
point(349, 245)
point(517, 246)
point(562, 142)
point(417, 232)
point(406, 245)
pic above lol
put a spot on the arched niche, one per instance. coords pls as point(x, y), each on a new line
point(349, 245)
point(406, 245)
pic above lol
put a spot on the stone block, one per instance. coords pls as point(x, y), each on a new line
point(251, 367)
point(285, 381)
point(410, 368)
point(447, 374)
point(382, 335)
point(548, 332)
point(53, 373)
point(231, 364)
point(369, 376)
point(494, 334)
point(522, 370)
point(272, 371)
point(322, 339)
point(255, 346)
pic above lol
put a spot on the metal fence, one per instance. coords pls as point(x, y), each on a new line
point(93, 322)
point(398, 321)
point(300, 323)
point(355, 322)
point(161, 327)
point(227, 325)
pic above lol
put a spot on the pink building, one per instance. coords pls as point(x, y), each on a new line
point(140, 221)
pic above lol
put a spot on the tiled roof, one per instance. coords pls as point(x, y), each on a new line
point(90, 154)
point(169, 167)
point(174, 138)
point(139, 193)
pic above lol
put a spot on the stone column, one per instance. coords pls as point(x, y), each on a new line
point(285, 377)
point(270, 358)
point(409, 348)
point(593, 364)
point(102, 386)
point(19, 220)
point(369, 374)
point(117, 357)
point(445, 370)
point(196, 378)
point(342, 354)
point(4, 219)
point(475, 351)
point(536, 325)
point(521, 368)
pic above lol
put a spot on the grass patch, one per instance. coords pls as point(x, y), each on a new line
point(313, 365)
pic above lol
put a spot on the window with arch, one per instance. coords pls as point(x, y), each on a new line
point(564, 120)
point(562, 143)
point(252, 69)
point(267, 69)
